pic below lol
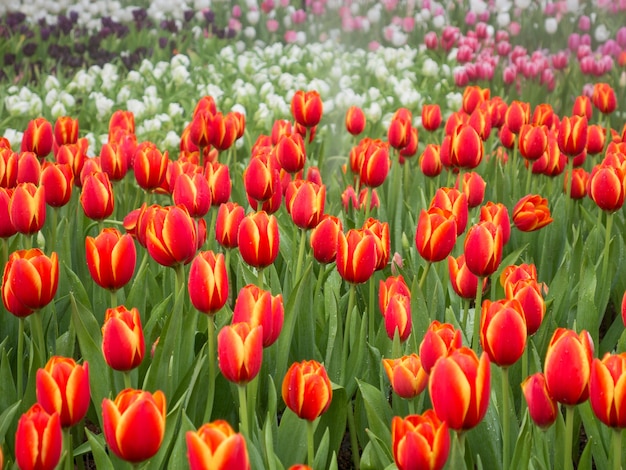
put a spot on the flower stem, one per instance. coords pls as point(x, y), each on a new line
point(346, 333)
point(69, 460)
point(466, 304)
point(569, 432)
point(211, 362)
point(506, 428)
point(570, 178)
point(477, 309)
point(37, 329)
point(424, 275)
point(616, 442)
point(310, 434)
point(113, 298)
point(607, 243)
point(370, 311)
point(127, 379)
point(354, 442)
point(300, 255)
point(260, 278)
point(20, 357)
point(243, 410)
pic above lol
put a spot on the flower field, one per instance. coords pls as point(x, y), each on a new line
point(313, 234)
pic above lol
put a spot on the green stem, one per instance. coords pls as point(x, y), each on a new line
point(477, 309)
point(5, 251)
point(506, 427)
point(260, 278)
point(466, 304)
point(569, 433)
point(354, 442)
point(367, 203)
point(310, 434)
point(37, 329)
point(243, 411)
point(300, 255)
point(69, 460)
point(53, 231)
point(211, 228)
point(20, 357)
point(127, 379)
point(114, 298)
point(212, 371)
point(570, 202)
point(412, 406)
point(424, 274)
point(607, 243)
point(346, 333)
point(616, 442)
point(370, 311)
point(528, 175)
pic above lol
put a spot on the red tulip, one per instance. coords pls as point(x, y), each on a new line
point(454, 201)
point(96, 197)
point(355, 120)
point(463, 281)
point(324, 238)
point(603, 98)
point(406, 375)
point(483, 248)
point(356, 255)
point(466, 147)
point(572, 135)
point(582, 107)
point(259, 307)
point(306, 389)
point(63, 387)
point(436, 234)
point(381, 235)
point(134, 424)
point(398, 317)
point(28, 208)
point(216, 446)
point(240, 352)
point(430, 160)
point(28, 168)
point(57, 179)
point(531, 213)
point(398, 133)
point(533, 141)
point(528, 293)
point(607, 393)
point(306, 108)
point(38, 137)
point(6, 226)
point(74, 155)
point(171, 236)
point(123, 343)
point(261, 177)
point(113, 161)
point(122, 120)
point(517, 114)
point(496, 317)
point(229, 217)
point(390, 287)
point(431, 117)
point(542, 407)
point(607, 187)
point(111, 258)
point(224, 130)
point(192, 191)
point(420, 442)
point(439, 341)
point(305, 203)
point(474, 189)
point(290, 152)
point(208, 282)
point(596, 137)
point(220, 185)
point(375, 164)
point(498, 214)
point(38, 439)
point(258, 239)
point(149, 166)
point(65, 130)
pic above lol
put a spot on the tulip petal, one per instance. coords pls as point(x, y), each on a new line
point(450, 392)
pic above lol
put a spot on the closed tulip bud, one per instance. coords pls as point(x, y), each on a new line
point(208, 282)
point(216, 446)
point(528, 293)
point(261, 177)
point(240, 352)
point(406, 375)
point(65, 130)
point(531, 213)
point(431, 117)
point(398, 133)
point(57, 179)
point(480, 120)
point(6, 226)
point(28, 168)
point(430, 161)
point(420, 441)
point(375, 164)
point(542, 407)
point(258, 239)
point(113, 161)
point(411, 147)
point(324, 239)
point(92, 165)
point(533, 140)
point(596, 136)
point(356, 255)
point(96, 197)
point(374, 201)
point(463, 281)
point(393, 285)
point(460, 387)
point(355, 120)
point(38, 137)
point(454, 201)
point(483, 248)
point(603, 98)
point(63, 387)
point(259, 307)
point(582, 107)
point(606, 389)
point(305, 203)
point(306, 389)
point(498, 214)
point(192, 191)
point(8, 168)
point(572, 135)
point(123, 344)
point(474, 188)
point(398, 317)
point(206, 103)
point(496, 317)
point(134, 424)
point(229, 217)
point(280, 128)
point(38, 439)
point(517, 114)
point(568, 365)
point(111, 258)
point(31, 278)
point(543, 115)
point(28, 208)
point(439, 341)
point(607, 187)
point(122, 120)
point(291, 153)
point(224, 130)
point(74, 155)
point(507, 138)
point(172, 236)
point(473, 96)
point(436, 234)
point(150, 166)
point(466, 148)
point(220, 185)
point(381, 234)
point(201, 129)
point(306, 108)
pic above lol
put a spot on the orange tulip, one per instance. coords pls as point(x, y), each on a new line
point(123, 343)
point(324, 238)
point(30, 280)
point(305, 203)
point(542, 407)
point(306, 389)
point(134, 424)
point(216, 446)
point(258, 239)
point(406, 375)
point(57, 179)
point(439, 341)
point(607, 391)
point(259, 307)
point(240, 352)
point(420, 442)
point(607, 187)
point(381, 235)
point(28, 208)
point(38, 439)
point(171, 236)
point(355, 120)
point(463, 281)
point(431, 117)
point(496, 317)
point(603, 98)
point(38, 137)
point(229, 217)
point(436, 234)
point(356, 255)
point(306, 108)
point(531, 213)
point(474, 189)
point(483, 248)
point(596, 137)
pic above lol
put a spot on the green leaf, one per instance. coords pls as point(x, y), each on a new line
point(599, 442)
point(379, 414)
point(8, 393)
point(100, 456)
point(584, 462)
point(321, 451)
point(291, 442)
point(523, 445)
point(7, 417)
point(489, 450)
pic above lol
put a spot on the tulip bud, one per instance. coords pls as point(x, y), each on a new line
point(463, 281)
point(517, 114)
point(240, 352)
point(436, 234)
point(38, 137)
point(356, 255)
point(229, 217)
point(208, 282)
point(111, 258)
point(171, 236)
point(582, 107)
point(30, 281)
point(150, 166)
point(496, 317)
point(96, 197)
point(533, 140)
point(123, 344)
point(27, 208)
point(606, 392)
point(258, 239)
point(324, 238)
point(439, 341)
point(290, 153)
point(603, 98)
point(306, 108)
point(572, 135)
point(220, 185)
point(607, 187)
point(224, 130)
point(28, 168)
point(420, 441)
point(431, 117)
point(398, 317)
point(306, 389)
point(258, 307)
point(355, 120)
point(430, 161)
point(542, 407)
point(483, 248)
point(57, 179)
point(305, 203)
point(406, 375)
point(38, 439)
point(216, 446)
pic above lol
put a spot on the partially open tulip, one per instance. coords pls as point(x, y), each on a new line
point(224, 130)
point(420, 441)
point(439, 340)
point(216, 446)
point(607, 389)
point(74, 155)
point(229, 217)
point(460, 387)
point(31, 278)
point(542, 407)
point(305, 203)
point(63, 387)
point(406, 375)
point(306, 389)
point(596, 137)
point(355, 120)
point(111, 258)
point(208, 282)
point(123, 343)
point(172, 236)
point(607, 187)
point(240, 352)
point(220, 185)
point(38, 137)
point(258, 239)
point(531, 213)
point(568, 366)
point(38, 439)
point(498, 214)
point(324, 238)
point(28, 208)
point(134, 424)
point(483, 248)
point(436, 234)
point(356, 255)
point(256, 307)
point(496, 317)
point(603, 98)
point(261, 177)
point(306, 108)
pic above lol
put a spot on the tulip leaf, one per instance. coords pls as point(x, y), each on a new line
point(6, 418)
point(321, 450)
point(380, 449)
point(584, 462)
point(335, 419)
point(523, 445)
point(291, 442)
point(178, 457)
point(370, 459)
point(137, 296)
point(268, 437)
point(8, 393)
point(100, 456)
point(488, 450)
point(598, 439)
point(76, 287)
point(587, 316)
point(356, 365)
point(334, 337)
point(378, 412)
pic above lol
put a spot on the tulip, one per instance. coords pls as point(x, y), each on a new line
point(517, 114)
point(607, 187)
point(305, 203)
point(122, 120)
point(200, 128)
point(290, 152)
point(473, 188)
point(111, 258)
point(172, 236)
point(406, 375)
point(356, 255)
point(229, 217)
point(150, 166)
point(411, 147)
point(606, 389)
point(420, 441)
point(480, 120)
point(603, 98)
point(466, 147)
point(224, 130)
point(381, 235)
point(543, 115)
point(123, 344)
point(192, 191)
point(324, 238)
point(6, 226)
point(306, 389)
point(436, 234)
point(355, 120)
point(27, 208)
point(216, 446)
point(398, 317)
point(430, 161)
point(531, 213)
point(454, 201)
point(65, 131)
point(572, 135)
point(542, 407)
point(96, 197)
point(533, 141)
point(208, 282)
point(57, 179)
point(261, 177)
point(596, 137)
point(28, 168)
point(439, 341)
point(8, 168)
point(582, 107)
point(483, 248)
point(431, 117)
point(63, 387)
point(113, 161)
point(375, 164)
point(496, 317)
point(306, 108)
point(30, 280)
point(134, 424)
point(38, 439)
point(389, 288)
point(528, 293)
point(398, 133)
point(220, 185)
point(459, 387)
point(74, 155)
point(507, 138)
point(38, 137)
point(463, 281)
point(240, 352)
point(498, 214)
point(258, 239)
point(259, 307)
point(568, 365)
